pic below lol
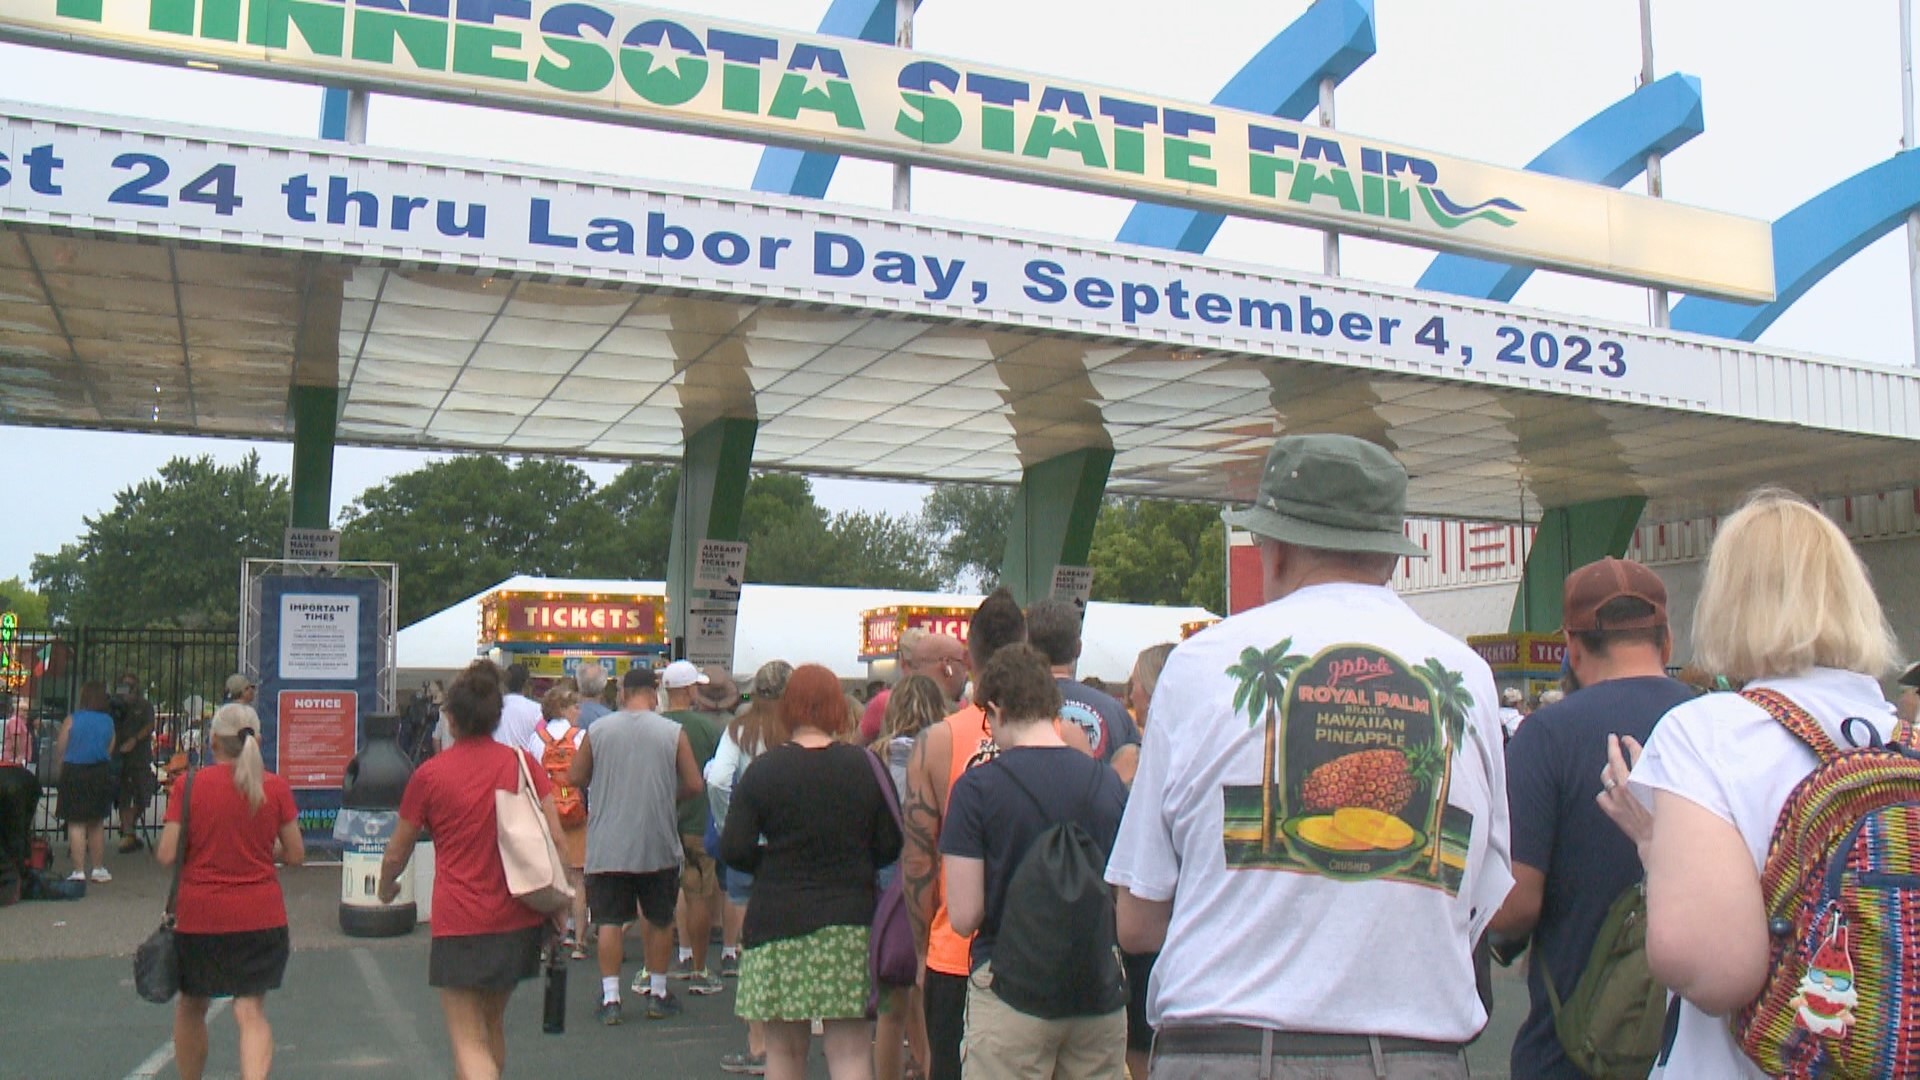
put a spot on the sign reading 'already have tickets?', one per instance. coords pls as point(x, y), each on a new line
point(682, 72)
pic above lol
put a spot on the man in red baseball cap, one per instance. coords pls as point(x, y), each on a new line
point(1569, 862)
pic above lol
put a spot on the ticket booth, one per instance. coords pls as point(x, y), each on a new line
point(880, 630)
point(554, 633)
point(1529, 662)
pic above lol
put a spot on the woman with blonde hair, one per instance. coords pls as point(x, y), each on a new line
point(1786, 607)
point(230, 923)
point(913, 706)
point(1140, 686)
point(754, 731)
point(553, 745)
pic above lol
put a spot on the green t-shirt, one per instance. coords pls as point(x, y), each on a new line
point(703, 734)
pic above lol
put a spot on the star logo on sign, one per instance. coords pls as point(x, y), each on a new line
point(1408, 176)
point(817, 77)
point(665, 55)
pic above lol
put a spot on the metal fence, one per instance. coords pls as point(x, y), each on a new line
point(181, 674)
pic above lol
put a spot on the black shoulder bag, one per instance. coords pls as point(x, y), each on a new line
point(156, 964)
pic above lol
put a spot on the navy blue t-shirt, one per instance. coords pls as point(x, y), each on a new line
point(1553, 784)
point(990, 819)
point(1107, 723)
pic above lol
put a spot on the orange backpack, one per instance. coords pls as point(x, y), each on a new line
point(557, 758)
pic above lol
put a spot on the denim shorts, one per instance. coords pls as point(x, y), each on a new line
point(738, 883)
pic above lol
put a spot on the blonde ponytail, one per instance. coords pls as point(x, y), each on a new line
point(236, 735)
point(248, 769)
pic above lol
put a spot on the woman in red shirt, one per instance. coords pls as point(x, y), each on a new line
point(484, 941)
point(230, 920)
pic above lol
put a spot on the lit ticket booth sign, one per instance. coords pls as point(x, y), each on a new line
point(554, 633)
point(880, 630)
point(1530, 662)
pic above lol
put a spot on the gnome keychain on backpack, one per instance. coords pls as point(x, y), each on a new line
point(1826, 998)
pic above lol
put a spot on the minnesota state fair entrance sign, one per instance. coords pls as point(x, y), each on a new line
point(682, 72)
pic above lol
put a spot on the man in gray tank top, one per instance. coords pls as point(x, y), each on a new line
point(636, 765)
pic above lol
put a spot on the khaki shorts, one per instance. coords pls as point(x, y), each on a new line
point(1002, 1043)
point(697, 878)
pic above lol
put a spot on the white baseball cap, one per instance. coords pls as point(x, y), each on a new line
point(681, 674)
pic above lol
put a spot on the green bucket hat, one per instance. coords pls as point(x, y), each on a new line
point(1332, 492)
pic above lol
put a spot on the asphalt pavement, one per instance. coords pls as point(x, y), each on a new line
point(353, 1007)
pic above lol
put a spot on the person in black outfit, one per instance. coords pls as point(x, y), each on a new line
point(820, 805)
point(996, 814)
point(133, 751)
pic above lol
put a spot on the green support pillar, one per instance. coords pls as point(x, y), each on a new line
point(1053, 515)
point(316, 419)
point(713, 491)
point(1570, 537)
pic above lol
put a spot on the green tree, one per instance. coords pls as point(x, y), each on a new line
point(785, 530)
point(880, 551)
point(28, 606)
point(634, 543)
point(791, 540)
point(966, 527)
point(1152, 551)
point(168, 553)
point(1263, 679)
point(457, 526)
point(1451, 700)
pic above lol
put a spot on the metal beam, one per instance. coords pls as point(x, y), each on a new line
point(786, 171)
point(1053, 514)
point(316, 417)
point(714, 467)
point(1811, 241)
point(1570, 537)
point(1611, 148)
point(1325, 44)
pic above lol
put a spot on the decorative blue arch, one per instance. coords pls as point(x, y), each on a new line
point(1328, 41)
point(1611, 149)
point(1810, 241)
point(784, 171)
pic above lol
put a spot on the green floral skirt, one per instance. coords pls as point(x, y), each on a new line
point(821, 976)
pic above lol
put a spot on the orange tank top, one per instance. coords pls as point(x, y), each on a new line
point(948, 952)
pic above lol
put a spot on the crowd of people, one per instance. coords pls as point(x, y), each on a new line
point(1285, 848)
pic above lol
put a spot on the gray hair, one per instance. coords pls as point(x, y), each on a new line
point(592, 678)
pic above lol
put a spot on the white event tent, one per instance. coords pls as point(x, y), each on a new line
point(798, 624)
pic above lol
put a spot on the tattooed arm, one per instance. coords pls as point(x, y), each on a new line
point(921, 814)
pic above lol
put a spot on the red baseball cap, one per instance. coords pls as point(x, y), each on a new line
point(1597, 584)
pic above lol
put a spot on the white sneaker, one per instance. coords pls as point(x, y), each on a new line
point(100, 875)
point(77, 876)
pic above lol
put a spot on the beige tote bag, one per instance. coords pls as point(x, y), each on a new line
point(535, 875)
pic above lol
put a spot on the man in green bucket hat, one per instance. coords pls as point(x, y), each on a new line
point(1317, 834)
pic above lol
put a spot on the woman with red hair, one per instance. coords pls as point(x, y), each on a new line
point(810, 820)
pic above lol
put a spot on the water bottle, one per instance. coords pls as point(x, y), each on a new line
point(370, 807)
point(553, 1015)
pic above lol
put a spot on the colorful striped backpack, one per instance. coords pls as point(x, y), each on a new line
point(1842, 892)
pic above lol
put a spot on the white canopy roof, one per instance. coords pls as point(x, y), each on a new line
point(798, 624)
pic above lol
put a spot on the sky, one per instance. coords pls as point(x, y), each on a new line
point(1797, 97)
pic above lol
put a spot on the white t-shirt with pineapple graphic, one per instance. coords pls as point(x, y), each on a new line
point(1353, 909)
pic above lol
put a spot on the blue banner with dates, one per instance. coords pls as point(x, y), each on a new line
point(293, 195)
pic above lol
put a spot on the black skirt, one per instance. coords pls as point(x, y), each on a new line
point(485, 961)
point(244, 964)
point(86, 792)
